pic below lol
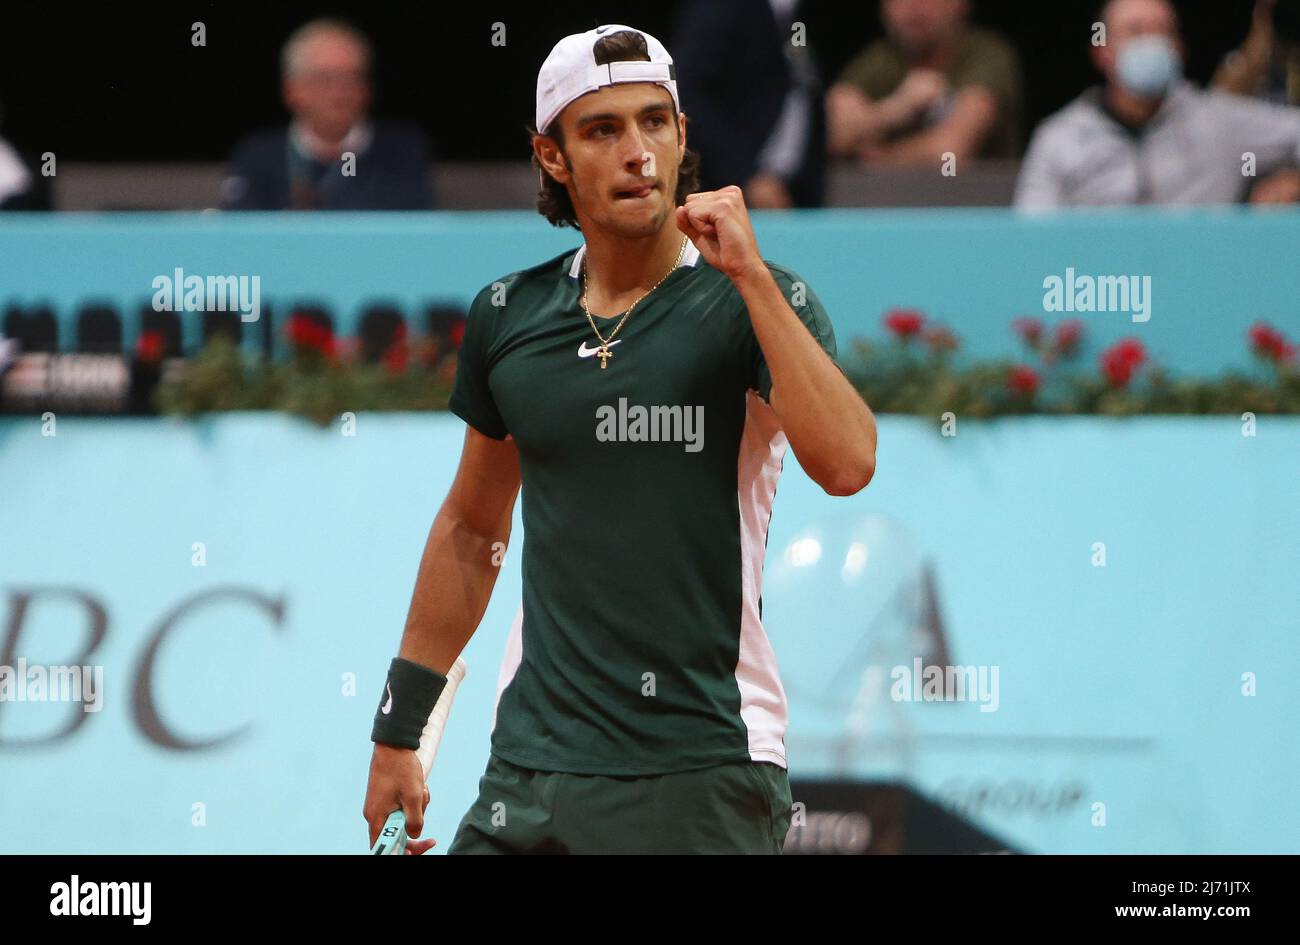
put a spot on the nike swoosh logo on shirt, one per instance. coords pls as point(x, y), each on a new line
point(585, 352)
point(387, 707)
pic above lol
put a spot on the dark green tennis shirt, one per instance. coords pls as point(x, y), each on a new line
point(647, 492)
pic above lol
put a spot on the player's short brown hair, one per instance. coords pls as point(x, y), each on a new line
point(553, 200)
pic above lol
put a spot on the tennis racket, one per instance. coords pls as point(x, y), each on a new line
point(392, 838)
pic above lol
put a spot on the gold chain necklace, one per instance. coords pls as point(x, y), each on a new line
point(603, 351)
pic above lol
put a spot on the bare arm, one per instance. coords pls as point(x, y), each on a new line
point(455, 580)
point(854, 121)
point(463, 553)
point(831, 430)
point(973, 115)
point(1245, 69)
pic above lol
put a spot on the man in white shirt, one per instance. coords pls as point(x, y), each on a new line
point(1148, 137)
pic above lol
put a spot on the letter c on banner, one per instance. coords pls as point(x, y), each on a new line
point(143, 707)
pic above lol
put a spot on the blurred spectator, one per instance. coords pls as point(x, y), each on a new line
point(752, 100)
point(21, 188)
point(933, 85)
point(326, 86)
point(1149, 137)
point(1267, 65)
point(15, 178)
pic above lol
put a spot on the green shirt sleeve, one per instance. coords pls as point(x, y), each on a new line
point(989, 61)
point(811, 312)
point(877, 71)
point(471, 394)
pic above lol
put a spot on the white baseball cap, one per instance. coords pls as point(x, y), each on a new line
point(570, 71)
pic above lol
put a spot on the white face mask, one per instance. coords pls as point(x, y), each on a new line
point(1148, 65)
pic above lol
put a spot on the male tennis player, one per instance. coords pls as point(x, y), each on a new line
point(643, 389)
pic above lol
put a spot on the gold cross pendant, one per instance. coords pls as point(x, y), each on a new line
point(604, 354)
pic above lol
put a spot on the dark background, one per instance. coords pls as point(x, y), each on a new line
point(122, 82)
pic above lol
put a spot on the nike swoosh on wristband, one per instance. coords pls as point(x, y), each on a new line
point(387, 707)
point(585, 352)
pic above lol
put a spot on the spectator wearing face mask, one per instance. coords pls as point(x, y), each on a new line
point(1147, 136)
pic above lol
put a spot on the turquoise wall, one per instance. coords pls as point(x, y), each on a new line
point(1119, 685)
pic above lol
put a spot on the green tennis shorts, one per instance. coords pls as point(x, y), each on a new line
point(736, 807)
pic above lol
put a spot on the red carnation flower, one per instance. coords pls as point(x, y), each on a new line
point(1270, 344)
point(310, 335)
point(1121, 360)
point(149, 346)
point(1023, 380)
point(1029, 329)
point(940, 339)
point(396, 358)
point(1068, 335)
point(904, 322)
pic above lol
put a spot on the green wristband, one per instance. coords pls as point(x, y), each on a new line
point(411, 692)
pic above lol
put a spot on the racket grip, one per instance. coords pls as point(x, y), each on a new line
point(392, 838)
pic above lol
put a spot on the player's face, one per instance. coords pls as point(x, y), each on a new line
point(624, 149)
